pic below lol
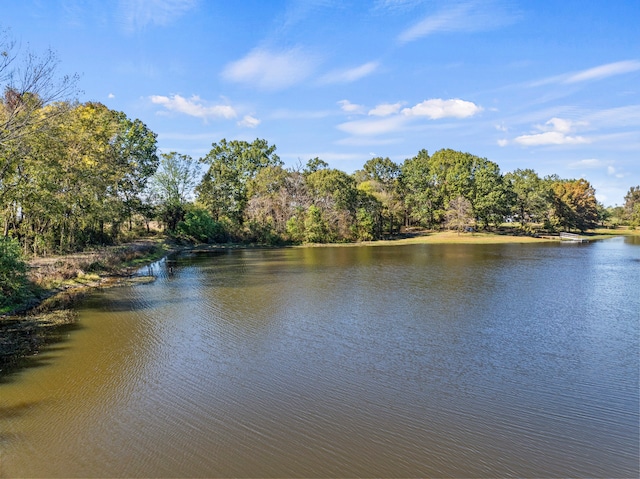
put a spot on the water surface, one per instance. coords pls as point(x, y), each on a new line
point(422, 360)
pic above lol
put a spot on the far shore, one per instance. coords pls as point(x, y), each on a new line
point(66, 279)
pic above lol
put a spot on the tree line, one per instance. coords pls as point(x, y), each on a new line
point(75, 175)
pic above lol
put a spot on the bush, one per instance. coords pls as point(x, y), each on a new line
point(201, 227)
point(13, 279)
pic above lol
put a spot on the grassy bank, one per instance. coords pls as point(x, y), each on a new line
point(58, 282)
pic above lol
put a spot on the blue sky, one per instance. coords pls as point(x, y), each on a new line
point(548, 85)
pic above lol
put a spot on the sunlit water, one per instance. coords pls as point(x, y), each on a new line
point(425, 360)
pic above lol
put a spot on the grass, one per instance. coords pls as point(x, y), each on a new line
point(59, 282)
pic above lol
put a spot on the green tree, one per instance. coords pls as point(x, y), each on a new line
point(419, 186)
point(13, 281)
point(491, 197)
point(199, 226)
point(574, 205)
point(632, 206)
point(224, 189)
point(171, 186)
point(136, 154)
point(334, 193)
point(315, 164)
point(315, 227)
point(531, 193)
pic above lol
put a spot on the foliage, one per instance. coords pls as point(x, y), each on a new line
point(574, 205)
point(224, 189)
point(530, 198)
point(632, 206)
point(199, 226)
point(170, 187)
point(316, 229)
point(13, 281)
point(459, 214)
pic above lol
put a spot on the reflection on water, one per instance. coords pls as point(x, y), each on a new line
point(425, 360)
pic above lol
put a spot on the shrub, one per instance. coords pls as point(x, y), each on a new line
point(201, 227)
point(13, 280)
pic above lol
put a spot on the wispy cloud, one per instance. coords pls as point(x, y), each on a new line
point(604, 71)
point(396, 5)
point(588, 163)
point(591, 74)
point(351, 74)
point(271, 70)
point(464, 17)
point(286, 114)
point(194, 106)
point(373, 127)
point(438, 108)
point(138, 14)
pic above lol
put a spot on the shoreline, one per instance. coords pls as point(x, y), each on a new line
point(38, 322)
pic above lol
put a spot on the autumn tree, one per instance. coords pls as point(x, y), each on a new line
point(459, 214)
point(171, 186)
point(632, 206)
point(574, 205)
point(224, 188)
point(28, 83)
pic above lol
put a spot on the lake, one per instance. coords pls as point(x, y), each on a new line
point(421, 360)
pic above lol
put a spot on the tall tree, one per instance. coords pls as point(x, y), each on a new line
point(574, 204)
point(382, 176)
point(418, 185)
point(632, 206)
point(136, 152)
point(459, 214)
point(171, 186)
point(232, 165)
point(28, 83)
point(491, 197)
point(530, 202)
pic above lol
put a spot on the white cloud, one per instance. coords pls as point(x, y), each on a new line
point(391, 118)
point(271, 70)
point(549, 138)
point(503, 142)
point(347, 106)
point(438, 108)
point(554, 132)
point(463, 17)
point(111, 95)
point(350, 75)
point(385, 109)
point(193, 106)
point(137, 14)
point(249, 122)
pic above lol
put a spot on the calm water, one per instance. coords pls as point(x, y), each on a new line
point(426, 360)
